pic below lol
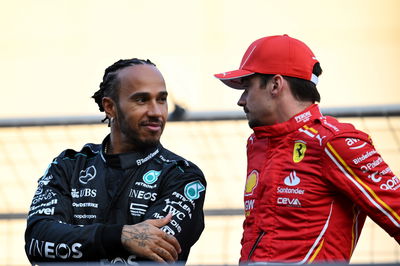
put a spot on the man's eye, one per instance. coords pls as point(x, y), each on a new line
point(162, 99)
point(140, 99)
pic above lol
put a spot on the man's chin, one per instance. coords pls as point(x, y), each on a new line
point(253, 124)
point(148, 143)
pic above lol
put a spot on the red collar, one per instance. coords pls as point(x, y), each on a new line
point(309, 114)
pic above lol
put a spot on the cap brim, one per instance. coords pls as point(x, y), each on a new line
point(233, 78)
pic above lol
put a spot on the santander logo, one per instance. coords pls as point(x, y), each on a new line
point(292, 179)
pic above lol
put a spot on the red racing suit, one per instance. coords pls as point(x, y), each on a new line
point(311, 182)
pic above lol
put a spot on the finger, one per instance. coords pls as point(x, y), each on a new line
point(170, 248)
point(173, 241)
point(156, 258)
point(166, 254)
point(160, 222)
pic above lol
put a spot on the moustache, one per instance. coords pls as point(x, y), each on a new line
point(152, 122)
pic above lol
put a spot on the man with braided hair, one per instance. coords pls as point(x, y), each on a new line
point(125, 200)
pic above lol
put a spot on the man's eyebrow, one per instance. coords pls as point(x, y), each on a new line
point(139, 94)
point(146, 94)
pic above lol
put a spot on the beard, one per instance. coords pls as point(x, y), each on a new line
point(132, 136)
point(254, 122)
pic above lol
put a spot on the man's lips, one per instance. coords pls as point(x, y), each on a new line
point(153, 126)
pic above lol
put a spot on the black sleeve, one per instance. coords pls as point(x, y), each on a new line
point(50, 236)
point(183, 194)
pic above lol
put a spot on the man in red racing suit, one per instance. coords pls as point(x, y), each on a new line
point(311, 180)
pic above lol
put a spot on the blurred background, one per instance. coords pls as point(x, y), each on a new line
point(53, 54)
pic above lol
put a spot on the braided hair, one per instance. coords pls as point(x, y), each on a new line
point(109, 85)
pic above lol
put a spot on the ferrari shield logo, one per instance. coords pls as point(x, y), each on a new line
point(299, 150)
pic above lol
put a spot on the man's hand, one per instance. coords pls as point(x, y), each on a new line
point(147, 240)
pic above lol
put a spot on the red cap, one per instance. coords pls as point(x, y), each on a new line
point(280, 54)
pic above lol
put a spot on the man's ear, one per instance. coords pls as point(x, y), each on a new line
point(277, 84)
point(109, 107)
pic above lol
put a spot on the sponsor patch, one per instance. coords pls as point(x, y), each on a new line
point(44, 181)
point(193, 189)
point(392, 184)
point(137, 209)
point(299, 150)
point(292, 179)
point(85, 192)
point(304, 117)
point(151, 176)
point(372, 165)
point(251, 183)
point(46, 195)
point(148, 157)
point(289, 202)
point(85, 216)
point(168, 230)
point(248, 206)
point(140, 194)
point(85, 205)
point(88, 174)
point(288, 190)
point(364, 156)
point(355, 144)
point(46, 249)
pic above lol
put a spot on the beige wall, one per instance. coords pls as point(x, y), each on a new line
point(53, 52)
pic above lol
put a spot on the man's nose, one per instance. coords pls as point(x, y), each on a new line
point(155, 109)
point(242, 100)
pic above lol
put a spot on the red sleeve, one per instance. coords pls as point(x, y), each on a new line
point(359, 171)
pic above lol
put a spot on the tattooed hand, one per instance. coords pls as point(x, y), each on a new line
point(147, 240)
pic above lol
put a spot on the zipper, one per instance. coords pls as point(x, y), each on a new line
point(262, 233)
point(128, 178)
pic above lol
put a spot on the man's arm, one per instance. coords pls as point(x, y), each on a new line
point(182, 196)
point(366, 179)
point(146, 240)
point(50, 235)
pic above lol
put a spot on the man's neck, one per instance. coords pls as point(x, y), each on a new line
point(290, 109)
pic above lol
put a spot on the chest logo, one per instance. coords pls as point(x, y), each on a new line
point(251, 183)
point(151, 176)
point(88, 174)
point(292, 179)
point(299, 150)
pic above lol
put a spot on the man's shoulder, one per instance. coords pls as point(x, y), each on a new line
point(167, 156)
point(330, 127)
point(334, 126)
point(89, 150)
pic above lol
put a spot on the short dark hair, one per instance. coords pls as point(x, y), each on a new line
point(302, 90)
point(110, 84)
